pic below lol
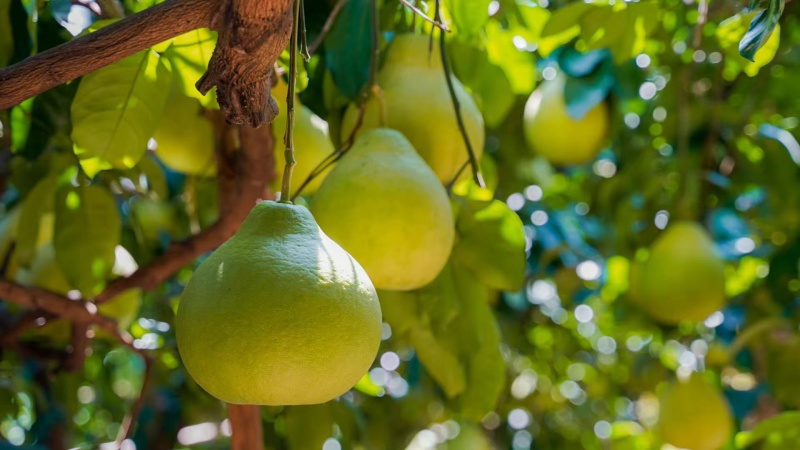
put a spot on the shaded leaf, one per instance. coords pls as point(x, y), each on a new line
point(468, 17)
point(87, 230)
point(761, 27)
point(189, 55)
point(781, 431)
point(38, 203)
point(348, 47)
point(116, 110)
point(491, 243)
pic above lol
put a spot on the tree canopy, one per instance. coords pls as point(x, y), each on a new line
point(622, 267)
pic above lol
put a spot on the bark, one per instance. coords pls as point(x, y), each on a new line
point(246, 425)
point(88, 53)
point(252, 34)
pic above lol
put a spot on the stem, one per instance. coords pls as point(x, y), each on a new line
point(754, 331)
point(438, 24)
point(371, 85)
point(473, 160)
point(288, 138)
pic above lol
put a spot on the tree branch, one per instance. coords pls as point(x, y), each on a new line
point(88, 53)
point(246, 418)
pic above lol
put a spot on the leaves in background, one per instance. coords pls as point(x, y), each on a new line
point(761, 28)
point(38, 203)
point(348, 47)
point(116, 110)
point(733, 31)
point(87, 230)
point(491, 243)
point(189, 55)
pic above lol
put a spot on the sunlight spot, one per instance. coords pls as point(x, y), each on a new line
point(533, 193)
point(515, 201)
point(584, 313)
point(390, 361)
point(588, 271)
point(518, 419)
point(196, 434)
point(744, 245)
point(602, 429)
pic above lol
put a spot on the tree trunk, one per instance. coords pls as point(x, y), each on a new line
point(246, 426)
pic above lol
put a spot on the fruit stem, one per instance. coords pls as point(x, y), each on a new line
point(372, 86)
point(473, 160)
point(288, 137)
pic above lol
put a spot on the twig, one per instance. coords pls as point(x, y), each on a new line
point(326, 28)
point(437, 23)
point(288, 137)
point(246, 417)
point(88, 53)
point(129, 423)
point(702, 18)
point(473, 160)
point(24, 323)
point(372, 85)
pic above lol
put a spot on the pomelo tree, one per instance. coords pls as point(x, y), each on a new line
point(399, 224)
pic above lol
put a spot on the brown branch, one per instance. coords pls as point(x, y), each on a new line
point(26, 322)
point(246, 418)
point(252, 35)
point(326, 28)
point(88, 53)
point(77, 311)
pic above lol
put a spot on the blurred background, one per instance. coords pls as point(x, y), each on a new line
point(695, 105)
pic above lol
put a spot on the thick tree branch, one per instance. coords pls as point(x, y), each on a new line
point(77, 311)
point(252, 35)
point(95, 50)
point(246, 426)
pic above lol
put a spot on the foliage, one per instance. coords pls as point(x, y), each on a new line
point(545, 351)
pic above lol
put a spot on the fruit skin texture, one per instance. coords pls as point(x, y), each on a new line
point(695, 416)
point(388, 209)
point(683, 278)
point(185, 138)
point(46, 274)
point(279, 314)
point(311, 143)
point(416, 102)
point(553, 134)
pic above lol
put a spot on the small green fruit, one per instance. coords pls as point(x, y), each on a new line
point(683, 278)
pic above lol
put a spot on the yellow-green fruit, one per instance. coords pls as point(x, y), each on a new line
point(386, 207)
point(695, 416)
point(415, 100)
point(46, 274)
point(683, 277)
point(185, 137)
point(279, 314)
point(311, 144)
point(553, 134)
point(470, 437)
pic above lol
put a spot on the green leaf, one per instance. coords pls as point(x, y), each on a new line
point(562, 27)
point(38, 203)
point(440, 356)
point(517, 64)
point(761, 27)
point(491, 243)
point(348, 47)
point(487, 82)
point(189, 55)
point(308, 426)
point(116, 110)
point(781, 431)
point(730, 32)
point(87, 230)
point(479, 336)
point(468, 17)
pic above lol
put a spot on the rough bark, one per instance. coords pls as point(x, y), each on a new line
point(88, 53)
point(252, 36)
point(246, 425)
